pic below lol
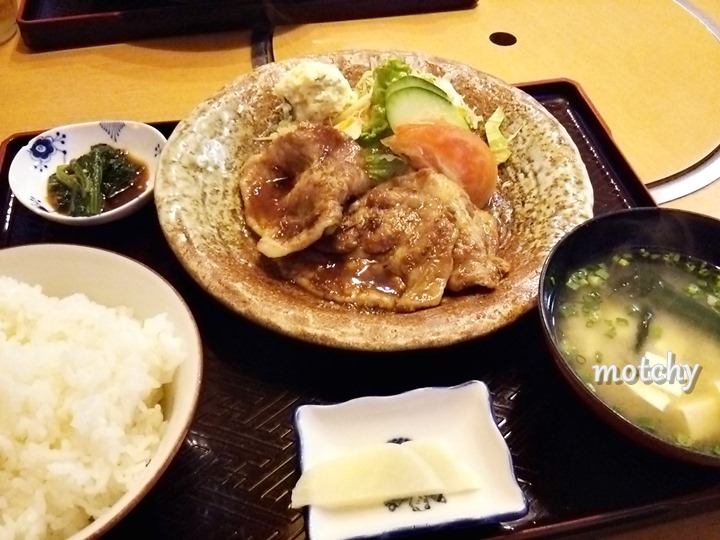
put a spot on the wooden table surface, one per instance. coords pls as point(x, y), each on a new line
point(649, 67)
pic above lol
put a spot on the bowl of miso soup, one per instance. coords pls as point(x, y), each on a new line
point(630, 307)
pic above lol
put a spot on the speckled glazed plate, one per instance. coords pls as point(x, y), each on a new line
point(543, 192)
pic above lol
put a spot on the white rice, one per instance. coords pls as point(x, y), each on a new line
point(80, 418)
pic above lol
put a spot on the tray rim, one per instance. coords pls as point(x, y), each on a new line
point(573, 90)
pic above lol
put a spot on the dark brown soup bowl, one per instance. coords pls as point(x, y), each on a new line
point(678, 231)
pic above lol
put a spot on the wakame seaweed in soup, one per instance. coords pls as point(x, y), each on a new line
point(642, 328)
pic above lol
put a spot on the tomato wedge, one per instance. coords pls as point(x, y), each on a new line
point(458, 153)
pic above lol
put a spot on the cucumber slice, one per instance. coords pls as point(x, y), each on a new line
point(414, 105)
point(413, 81)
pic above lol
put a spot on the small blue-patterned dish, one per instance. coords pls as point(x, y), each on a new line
point(39, 159)
point(461, 417)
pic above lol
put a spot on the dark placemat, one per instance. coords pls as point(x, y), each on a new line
point(57, 24)
point(233, 475)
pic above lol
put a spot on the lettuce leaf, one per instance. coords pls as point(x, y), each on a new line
point(382, 164)
point(497, 142)
point(377, 125)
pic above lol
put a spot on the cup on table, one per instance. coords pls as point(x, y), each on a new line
point(8, 19)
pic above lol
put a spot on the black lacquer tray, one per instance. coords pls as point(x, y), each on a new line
point(59, 24)
point(233, 475)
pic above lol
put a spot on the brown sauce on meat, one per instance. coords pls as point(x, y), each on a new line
point(268, 201)
point(338, 276)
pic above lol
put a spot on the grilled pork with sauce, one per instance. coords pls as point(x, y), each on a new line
point(297, 188)
point(401, 245)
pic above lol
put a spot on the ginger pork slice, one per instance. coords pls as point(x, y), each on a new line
point(401, 245)
point(295, 190)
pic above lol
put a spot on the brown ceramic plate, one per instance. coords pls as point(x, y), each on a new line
point(544, 191)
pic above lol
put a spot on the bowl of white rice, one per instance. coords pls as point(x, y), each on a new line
point(100, 370)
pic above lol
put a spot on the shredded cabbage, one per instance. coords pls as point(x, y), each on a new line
point(456, 99)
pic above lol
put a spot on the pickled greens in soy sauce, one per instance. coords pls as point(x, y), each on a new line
point(99, 180)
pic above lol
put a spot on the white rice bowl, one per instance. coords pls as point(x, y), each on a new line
point(100, 368)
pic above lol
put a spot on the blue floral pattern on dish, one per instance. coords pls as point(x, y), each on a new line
point(43, 149)
point(113, 129)
point(418, 503)
point(37, 203)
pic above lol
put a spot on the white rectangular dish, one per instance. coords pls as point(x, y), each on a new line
point(459, 416)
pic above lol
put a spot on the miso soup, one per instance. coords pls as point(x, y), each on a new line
point(625, 320)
